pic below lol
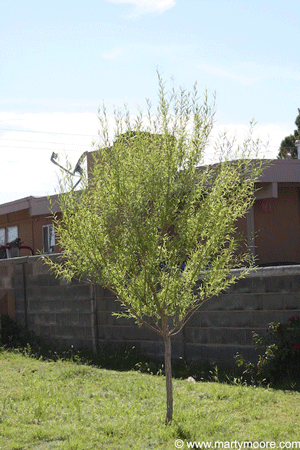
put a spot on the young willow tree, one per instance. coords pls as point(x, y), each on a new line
point(151, 224)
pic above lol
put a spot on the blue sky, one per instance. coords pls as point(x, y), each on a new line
point(60, 60)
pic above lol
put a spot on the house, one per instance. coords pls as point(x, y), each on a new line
point(273, 223)
point(28, 220)
point(271, 227)
point(77, 313)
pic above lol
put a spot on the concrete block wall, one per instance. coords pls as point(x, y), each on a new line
point(223, 325)
point(81, 315)
point(47, 306)
point(113, 330)
point(7, 301)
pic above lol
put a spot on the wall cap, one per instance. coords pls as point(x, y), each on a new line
point(270, 271)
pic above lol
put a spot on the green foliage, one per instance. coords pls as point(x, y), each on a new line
point(288, 149)
point(279, 355)
point(153, 225)
point(149, 220)
point(10, 332)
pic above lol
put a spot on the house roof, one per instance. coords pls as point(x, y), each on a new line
point(37, 205)
point(281, 171)
point(277, 171)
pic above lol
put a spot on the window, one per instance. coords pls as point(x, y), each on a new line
point(7, 236)
point(12, 233)
point(2, 242)
point(48, 239)
point(2, 236)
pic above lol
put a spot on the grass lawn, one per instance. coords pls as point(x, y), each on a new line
point(64, 405)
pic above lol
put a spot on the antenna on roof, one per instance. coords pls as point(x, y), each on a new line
point(77, 169)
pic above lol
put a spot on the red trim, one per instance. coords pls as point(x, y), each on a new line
point(27, 248)
point(8, 247)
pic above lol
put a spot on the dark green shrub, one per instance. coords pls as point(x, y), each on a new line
point(10, 332)
point(279, 355)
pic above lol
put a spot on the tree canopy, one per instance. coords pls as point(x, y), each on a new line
point(288, 149)
point(152, 223)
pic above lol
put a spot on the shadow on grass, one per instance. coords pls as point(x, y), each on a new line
point(126, 358)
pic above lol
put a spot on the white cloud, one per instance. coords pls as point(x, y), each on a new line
point(227, 73)
point(147, 6)
point(26, 144)
point(269, 134)
point(266, 71)
point(128, 51)
point(26, 168)
point(112, 54)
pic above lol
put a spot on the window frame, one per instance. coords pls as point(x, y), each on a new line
point(13, 252)
point(50, 237)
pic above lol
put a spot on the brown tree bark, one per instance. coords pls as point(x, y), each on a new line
point(168, 372)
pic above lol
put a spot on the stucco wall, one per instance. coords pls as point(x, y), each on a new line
point(277, 230)
point(30, 228)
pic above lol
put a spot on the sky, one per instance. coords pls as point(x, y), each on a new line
point(60, 60)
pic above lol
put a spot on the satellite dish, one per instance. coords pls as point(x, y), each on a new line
point(77, 169)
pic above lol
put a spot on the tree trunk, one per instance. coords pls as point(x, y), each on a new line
point(168, 371)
